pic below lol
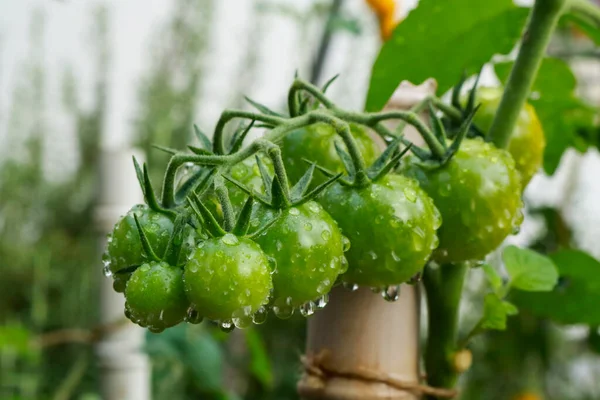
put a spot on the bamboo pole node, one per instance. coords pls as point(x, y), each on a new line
point(315, 366)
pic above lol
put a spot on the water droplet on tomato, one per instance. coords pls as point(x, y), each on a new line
point(307, 309)
point(294, 211)
point(395, 256)
point(230, 239)
point(308, 226)
point(416, 278)
point(322, 301)
point(326, 235)
point(260, 316)
point(226, 326)
point(283, 312)
point(345, 244)
point(193, 316)
point(353, 287)
point(391, 293)
point(410, 194)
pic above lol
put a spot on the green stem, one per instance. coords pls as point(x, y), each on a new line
point(274, 153)
point(223, 197)
point(228, 115)
point(443, 286)
point(371, 119)
point(544, 17)
point(299, 85)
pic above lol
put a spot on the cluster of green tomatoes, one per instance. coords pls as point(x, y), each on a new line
point(240, 231)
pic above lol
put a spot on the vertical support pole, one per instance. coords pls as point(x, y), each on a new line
point(124, 368)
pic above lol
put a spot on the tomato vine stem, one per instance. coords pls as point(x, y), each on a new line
point(443, 286)
point(543, 20)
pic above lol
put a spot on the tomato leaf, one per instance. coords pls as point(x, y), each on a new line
point(585, 24)
point(442, 39)
point(495, 312)
point(528, 270)
point(575, 299)
point(562, 114)
point(493, 277)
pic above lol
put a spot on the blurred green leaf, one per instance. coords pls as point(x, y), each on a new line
point(575, 298)
point(443, 39)
point(205, 358)
point(528, 270)
point(495, 312)
point(260, 365)
point(16, 338)
point(560, 112)
point(585, 24)
point(493, 277)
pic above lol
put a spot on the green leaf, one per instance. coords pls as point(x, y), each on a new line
point(585, 24)
point(575, 298)
point(562, 114)
point(459, 35)
point(493, 277)
point(495, 312)
point(203, 355)
point(528, 270)
point(260, 364)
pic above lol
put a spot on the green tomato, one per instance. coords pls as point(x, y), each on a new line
point(307, 250)
point(228, 279)
point(478, 193)
point(527, 142)
point(317, 143)
point(392, 227)
point(124, 245)
point(154, 296)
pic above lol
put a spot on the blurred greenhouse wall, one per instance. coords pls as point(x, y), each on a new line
point(80, 76)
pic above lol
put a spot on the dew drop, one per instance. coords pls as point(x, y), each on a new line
point(410, 194)
point(516, 229)
point(345, 244)
point(272, 264)
point(307, 309)
point(353, 287)
point(294, 211)
point(322, 301)
point(106, 270)
point(226, 326)
point(416, 278)
point(193, 316)
point(308, 226)
point(278, 245)
point(391, 293)
point(242, 322)
point(260, 316)
point(326, 235)
point(373, 255)
point(283, 312)
point(395, 256)
point(230, 239)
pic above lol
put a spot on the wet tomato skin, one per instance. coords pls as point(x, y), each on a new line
point(478, 193)
point(307, 251)
point(154, 296)
point(391, 225)
point(228, 277)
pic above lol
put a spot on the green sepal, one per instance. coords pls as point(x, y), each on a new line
point(264, 174)
point(455, 100)
point(462, 132)
point(263, 109)
point(304, 105)
point(329, 82)
point(316, 191)
point(265, 226)
point(390, 165)
point(199, 150)
point(437, 127)
point(205, 216)
point(243, 220)
point(173, 249)
point(226, 207)
point(147, 189)
point(385, 156)
point(147, 248)
point(140, 175)
point(420, 153)
point(128, 270)
point(257, 196)
point(238, 137)
point(264, 125)
point(165, 149)
point(198, 183)
point(278, 198)
point(328, 173)
point(346, 159)
point(202, 138)
point(472, 95)
point(300, 187)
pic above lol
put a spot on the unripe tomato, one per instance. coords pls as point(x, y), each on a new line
point(478, 193)
point(155, 297)
point(527, 142)
point(307, 249)
point(391, 225)
point(317, 143)
point(124, 245)
point(228, 278)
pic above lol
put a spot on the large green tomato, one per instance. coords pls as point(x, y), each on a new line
point(307, 248)
point(391, 225)
point(478, 193)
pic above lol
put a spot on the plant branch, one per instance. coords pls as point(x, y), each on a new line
point(443, 286)
point(544, 17)
point(587, 10)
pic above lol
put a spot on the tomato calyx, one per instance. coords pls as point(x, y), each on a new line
point(278, 194)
